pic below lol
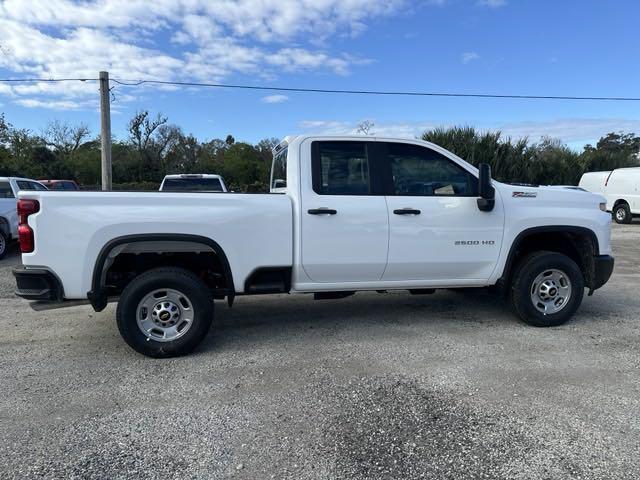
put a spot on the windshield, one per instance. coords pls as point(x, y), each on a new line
point(192, 185)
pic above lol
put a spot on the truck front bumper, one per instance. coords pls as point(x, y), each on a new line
point(37, 283)
point(602, 269)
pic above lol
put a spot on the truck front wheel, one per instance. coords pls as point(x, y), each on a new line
point(165, 312)
point(547, 289)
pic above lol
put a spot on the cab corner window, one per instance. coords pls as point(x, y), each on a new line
point(419, 171)
point(341, 168)
point(279, 171)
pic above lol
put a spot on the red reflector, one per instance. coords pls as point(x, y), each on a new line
point(26, 207)
point(25, 238)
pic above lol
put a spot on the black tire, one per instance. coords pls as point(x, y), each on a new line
point(4, 244)
point(622, 213)
point(197, 296)
point(528, 271)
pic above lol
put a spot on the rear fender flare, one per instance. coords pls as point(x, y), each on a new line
point(98, 295)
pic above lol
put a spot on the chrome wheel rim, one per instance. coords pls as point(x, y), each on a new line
point(621, 214)
point(164, 315)
point(551, 291)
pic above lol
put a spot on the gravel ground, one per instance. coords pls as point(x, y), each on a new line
point(443, 386)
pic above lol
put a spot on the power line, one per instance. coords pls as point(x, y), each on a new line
point(135, 83)
point(49, 80)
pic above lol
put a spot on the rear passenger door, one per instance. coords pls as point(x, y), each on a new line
point(437, 232)
point(344, 223)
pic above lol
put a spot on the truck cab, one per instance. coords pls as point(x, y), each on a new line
point(344, 214)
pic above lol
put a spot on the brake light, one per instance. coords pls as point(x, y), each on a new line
point(25, 234)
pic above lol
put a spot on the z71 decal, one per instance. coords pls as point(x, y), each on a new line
point(525, 194)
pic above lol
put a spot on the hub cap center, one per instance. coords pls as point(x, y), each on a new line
point(551, 291)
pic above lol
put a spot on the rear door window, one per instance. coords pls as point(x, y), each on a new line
point(341, 168)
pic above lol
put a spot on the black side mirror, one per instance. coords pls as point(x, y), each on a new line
point(487, 193)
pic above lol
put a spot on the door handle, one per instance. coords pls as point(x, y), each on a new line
point(322, 211)
point(407, 211)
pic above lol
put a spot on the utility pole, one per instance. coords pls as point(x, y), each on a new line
point(105, 130)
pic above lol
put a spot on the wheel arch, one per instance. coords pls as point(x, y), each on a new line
point(582, 246)
point(98, 295)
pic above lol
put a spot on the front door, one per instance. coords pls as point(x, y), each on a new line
point(345, 228)
point(437, 232)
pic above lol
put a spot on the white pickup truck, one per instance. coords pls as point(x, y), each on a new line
point(344, 214)
point(9, 188)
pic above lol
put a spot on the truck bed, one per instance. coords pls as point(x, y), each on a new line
point(253, 229)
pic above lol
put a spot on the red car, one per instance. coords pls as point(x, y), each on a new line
point(60, 184)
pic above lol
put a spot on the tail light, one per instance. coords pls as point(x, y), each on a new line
point(25, 234)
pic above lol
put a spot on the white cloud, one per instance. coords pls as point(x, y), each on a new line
point(576, 131)
point(393, 130)
point(275, 98)
point(492, 3)
point(570, 130)
point(210, 40)
point(52, 104)
point(467, 57)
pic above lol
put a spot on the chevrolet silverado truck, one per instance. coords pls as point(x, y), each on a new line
point(344, 214)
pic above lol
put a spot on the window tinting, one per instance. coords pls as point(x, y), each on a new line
point(5, 190)
point(24, 185)
point(279, 174)
point(192, 185)
point(341, 168)
point(419, 171)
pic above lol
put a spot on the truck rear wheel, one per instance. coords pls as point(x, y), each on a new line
point(622, 213)
point(165, 312)
point(547, 289)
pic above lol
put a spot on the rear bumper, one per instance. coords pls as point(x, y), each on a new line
point(37, 283)
point(603, 268)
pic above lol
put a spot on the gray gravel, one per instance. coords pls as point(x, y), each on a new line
point(374, 386)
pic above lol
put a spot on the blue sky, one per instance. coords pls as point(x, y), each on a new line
point(571, 47)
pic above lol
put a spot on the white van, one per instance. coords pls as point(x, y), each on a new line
point(622, 189)
point(594, 181)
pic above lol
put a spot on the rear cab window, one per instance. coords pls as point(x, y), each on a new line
point(192, 185)
point(29, 185)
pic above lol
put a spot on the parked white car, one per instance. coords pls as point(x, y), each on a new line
point(9, 188)
point(193, 182)
point(621, 188)
point(344, 214)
